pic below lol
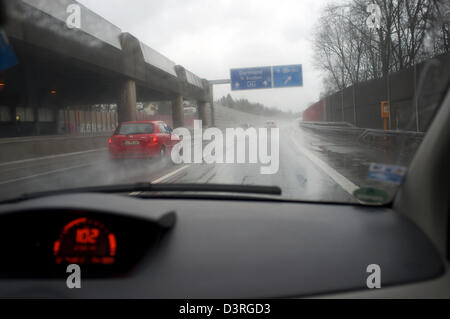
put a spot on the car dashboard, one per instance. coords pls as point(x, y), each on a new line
point(102, 244)
point(130, 247)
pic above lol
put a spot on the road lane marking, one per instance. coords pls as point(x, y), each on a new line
point(341, 180)
point(158, 180)
point(170, 174)
point(52, 156)
point(44, 173)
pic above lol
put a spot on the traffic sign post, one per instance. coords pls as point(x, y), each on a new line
point(267, 77)
point(385, 113)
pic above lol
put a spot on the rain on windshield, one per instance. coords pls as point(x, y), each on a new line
point(329, 100)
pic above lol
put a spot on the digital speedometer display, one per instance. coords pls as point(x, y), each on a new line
point(85, 241)
point(104, 245)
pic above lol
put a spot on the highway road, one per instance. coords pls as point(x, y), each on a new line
point(311, 167)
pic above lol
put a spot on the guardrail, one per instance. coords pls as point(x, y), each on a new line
point(383, 138)
point(374, 132)
point(338, 124)
point(328, 128)
point(391, 139)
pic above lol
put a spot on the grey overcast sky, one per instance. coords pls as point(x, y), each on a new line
point(208, 37)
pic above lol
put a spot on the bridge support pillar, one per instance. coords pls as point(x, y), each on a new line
point(126, 109)
point(213, 117)
point(32, 96)
point(178, 112)
point(202, 113)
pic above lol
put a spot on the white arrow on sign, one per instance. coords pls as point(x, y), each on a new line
point(288, 79)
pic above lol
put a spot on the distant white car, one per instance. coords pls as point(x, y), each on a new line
point(245, 126)
point(270, 124)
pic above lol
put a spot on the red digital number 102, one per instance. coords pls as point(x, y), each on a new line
point(87, 235)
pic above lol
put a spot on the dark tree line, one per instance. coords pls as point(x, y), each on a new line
point(349, 52)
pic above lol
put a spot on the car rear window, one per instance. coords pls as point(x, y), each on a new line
point(135, 128)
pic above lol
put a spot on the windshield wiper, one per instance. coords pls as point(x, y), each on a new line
point(149, 187)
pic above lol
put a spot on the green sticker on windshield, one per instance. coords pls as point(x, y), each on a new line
point(370, 195)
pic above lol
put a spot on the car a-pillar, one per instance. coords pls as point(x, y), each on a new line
point(126, 108)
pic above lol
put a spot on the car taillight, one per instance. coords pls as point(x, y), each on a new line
point(154, 139)
point(110, 141)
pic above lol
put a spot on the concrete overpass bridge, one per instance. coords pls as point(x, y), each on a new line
point(96, 63)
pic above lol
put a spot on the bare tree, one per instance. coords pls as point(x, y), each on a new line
point(348, 51)
point(438, 38)
point(338, 48)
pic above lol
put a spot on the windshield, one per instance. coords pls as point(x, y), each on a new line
point(327, 100)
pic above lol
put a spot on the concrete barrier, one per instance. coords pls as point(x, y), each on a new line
point(15, 149)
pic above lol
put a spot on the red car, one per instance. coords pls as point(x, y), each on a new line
point(142, 139)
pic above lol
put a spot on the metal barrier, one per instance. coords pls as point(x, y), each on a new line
point(328, 128)
point(338, 124)
point(374, 132)
point(383, 138)
point(391, 139)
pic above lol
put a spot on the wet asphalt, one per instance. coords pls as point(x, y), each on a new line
point(308, 165)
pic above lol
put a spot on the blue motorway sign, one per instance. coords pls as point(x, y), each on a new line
point(7, 56)
point(251, 78)
point(267, 77)
point(287, 76)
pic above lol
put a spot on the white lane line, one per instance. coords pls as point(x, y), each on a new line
point(170, 174)
point(43, 174)
point(134, 193)
point(158, 180)
point(52, 156)
point(341, 180)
